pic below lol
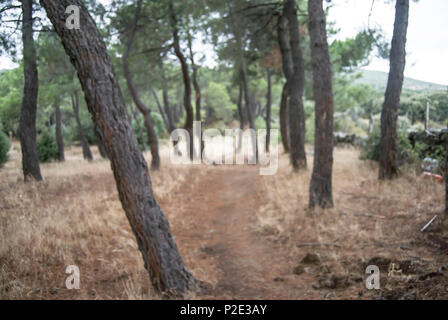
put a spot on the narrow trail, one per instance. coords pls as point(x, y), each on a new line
point(222, 208)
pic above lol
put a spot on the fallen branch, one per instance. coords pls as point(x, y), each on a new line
point(429, 223)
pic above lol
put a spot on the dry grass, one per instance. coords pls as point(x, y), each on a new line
point(73, 217)
point(370, 219)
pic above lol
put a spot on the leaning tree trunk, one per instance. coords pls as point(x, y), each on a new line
point(86, 153)
point(389, 114)
point(186, 77)
point(284, 118)
point(293, 68)
point(320, 186)
point(89, 56)
point(146, 112)
point(268, 110)
point(59, 138)
point(27, 126)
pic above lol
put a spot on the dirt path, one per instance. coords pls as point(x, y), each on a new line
point(222, 212)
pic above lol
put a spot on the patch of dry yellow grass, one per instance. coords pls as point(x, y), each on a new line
point(370, 218)
point(73, 217)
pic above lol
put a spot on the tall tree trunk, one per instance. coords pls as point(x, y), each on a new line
point(159, 106)
point(250, 116)
point(389, 114)
point(284, 118)
point(293, 68)
point(59, 138)
point(241, 116)
point(166, 100)
point(146, 112)
point(90, 58)
point(268, 110)
point(186, 77)
point(140, 130)
point(86, 153)
point(27, 126)
point(197, 88)
point(320, 186)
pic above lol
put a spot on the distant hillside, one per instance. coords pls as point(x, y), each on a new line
point(378, 80)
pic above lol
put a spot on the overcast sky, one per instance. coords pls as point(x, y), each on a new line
point(427, 45)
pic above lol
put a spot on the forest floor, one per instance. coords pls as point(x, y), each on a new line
point(247, 236)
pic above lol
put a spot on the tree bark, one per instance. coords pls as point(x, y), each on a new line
point(389, 114)
point(186, 76)
point(241, 116)
point(86, 153)
point(321, 180)
point(59, 138)
point(166, 101)
point(90, 58)
point(146, 112)
point(197, 88)
point(284, 118)
point(293, 68)
point(268, 110)
point(27, 126)
point(159, 106)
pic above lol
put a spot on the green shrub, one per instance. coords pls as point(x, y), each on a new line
point(47, 147)
point(4, 148)
point(371, 147)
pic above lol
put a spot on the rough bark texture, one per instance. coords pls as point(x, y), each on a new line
point(89, 56)
point(146, 112)
point(268, 110)
point(293, 68)
point(320, 186)
point(86, 153)
point(284, 118)
point(389, 113)
point(59, 138)
point(185, 74)
point(27, 126)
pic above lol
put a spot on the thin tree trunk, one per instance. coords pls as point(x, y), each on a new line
point(86, 153)
point(284, 118)
point(152, 135)
point(59, 138)
point(186, 77)
point(27, 126)
point(197, 88)
point(241, 116)
point(248, 107)
point(320, 186)
point(141, 132)
point(162, 113)
point(90, 58)
point(389, 114)
point(293, 68)
point(166, 100)
point(268, 110)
